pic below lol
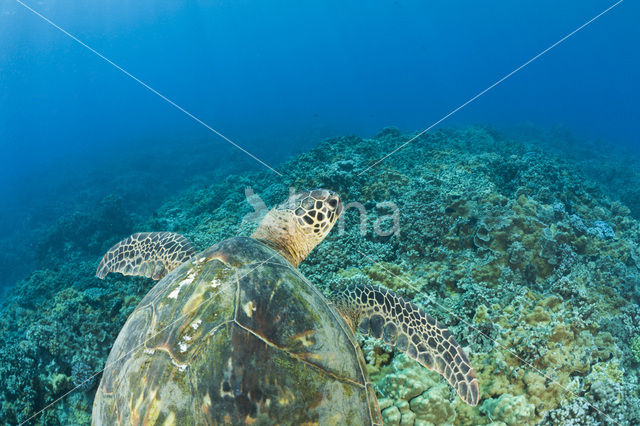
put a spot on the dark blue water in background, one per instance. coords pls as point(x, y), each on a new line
point(278, 76)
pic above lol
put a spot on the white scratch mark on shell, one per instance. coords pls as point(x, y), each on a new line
point(249, 307)
point(186, 281)
point(196, 324)
point(215, 283)
point(181, 367)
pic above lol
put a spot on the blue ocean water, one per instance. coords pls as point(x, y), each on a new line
point(267, 72)
point(277, 77)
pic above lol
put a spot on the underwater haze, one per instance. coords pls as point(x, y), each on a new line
point(276, 78)
point(518, 211)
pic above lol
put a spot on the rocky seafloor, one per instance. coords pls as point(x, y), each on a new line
point(529, 252)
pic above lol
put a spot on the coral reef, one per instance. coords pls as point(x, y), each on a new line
point(530, 258)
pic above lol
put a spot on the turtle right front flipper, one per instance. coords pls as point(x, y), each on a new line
point(147, 254)
point(384, 315)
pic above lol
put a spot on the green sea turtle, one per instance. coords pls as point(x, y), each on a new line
point(235, 334)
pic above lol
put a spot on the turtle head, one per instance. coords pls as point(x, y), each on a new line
point(300, 223)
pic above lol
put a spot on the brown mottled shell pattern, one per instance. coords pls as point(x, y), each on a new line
point(235, 335)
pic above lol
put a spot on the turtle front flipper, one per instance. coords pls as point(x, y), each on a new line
point(147, 254)
point(384, 315)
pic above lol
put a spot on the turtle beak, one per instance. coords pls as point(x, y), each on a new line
point(339, 208)
point(334, 203)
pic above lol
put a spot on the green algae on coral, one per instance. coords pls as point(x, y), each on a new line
point(531, 259)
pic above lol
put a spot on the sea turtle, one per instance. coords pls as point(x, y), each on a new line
point(235, 333)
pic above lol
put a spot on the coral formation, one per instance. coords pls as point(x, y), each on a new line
point(509, 409)
point(635, 348)
point(532, 260)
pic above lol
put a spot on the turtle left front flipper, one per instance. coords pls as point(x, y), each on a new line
point(147, 254)
point(385, 315)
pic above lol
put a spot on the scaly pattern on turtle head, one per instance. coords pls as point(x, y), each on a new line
point(297, 225)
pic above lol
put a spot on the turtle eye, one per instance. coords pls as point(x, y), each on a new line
point(333, 203)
